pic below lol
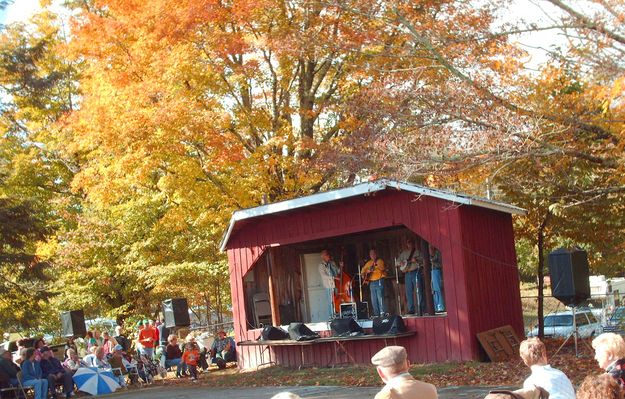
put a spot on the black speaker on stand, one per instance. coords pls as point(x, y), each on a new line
point(569, 272)
point(569, 276)
point(176, 313)
point(73, 323)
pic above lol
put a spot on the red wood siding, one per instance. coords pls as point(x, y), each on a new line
point(479, 269)
point(492, 272)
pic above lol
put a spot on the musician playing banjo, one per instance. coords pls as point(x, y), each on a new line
point(373, 273)
point(328, 271)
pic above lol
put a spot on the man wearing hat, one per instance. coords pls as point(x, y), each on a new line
point(392, 365)
point(223, 350)
point(118, 365)
point(55, 373)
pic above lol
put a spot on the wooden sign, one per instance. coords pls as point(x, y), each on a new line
point(500, 344)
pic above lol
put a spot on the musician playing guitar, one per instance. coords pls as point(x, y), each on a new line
point(373, 273)
point(411, 263)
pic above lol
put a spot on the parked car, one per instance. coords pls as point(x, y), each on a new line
point(560, 324)
point(616, 321)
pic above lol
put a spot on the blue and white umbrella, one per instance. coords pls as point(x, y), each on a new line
point(95, 381)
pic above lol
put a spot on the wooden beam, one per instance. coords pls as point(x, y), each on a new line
point(275, 313)
point(427, 277)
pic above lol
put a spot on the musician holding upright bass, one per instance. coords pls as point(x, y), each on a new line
point(373, 273)
point(328, 272)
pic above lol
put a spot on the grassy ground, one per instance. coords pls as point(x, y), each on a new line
point(511, 373)
point(340, 376)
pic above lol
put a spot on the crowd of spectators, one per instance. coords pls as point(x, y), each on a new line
point(148, 351)
point(154, 347)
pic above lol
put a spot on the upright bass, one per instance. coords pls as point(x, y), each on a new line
point(343, 283)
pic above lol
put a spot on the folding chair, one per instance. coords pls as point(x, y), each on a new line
point(117, 372)
point(16, 389)
point(262, 309)
point(133, 375)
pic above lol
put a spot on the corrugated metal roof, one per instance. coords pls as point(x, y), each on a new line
point(362, 189)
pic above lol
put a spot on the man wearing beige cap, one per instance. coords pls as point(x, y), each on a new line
point(392, 365)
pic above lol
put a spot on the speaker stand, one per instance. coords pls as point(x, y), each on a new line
point(575, 335)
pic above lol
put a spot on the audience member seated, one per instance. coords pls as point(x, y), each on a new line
point(554, 381)
point(392, 365)
point(8, 369)
point(600, 387)
point(97, 337)
point(39, 343)
point(32, 375)
point(53, 370)
point(121, 339)
point(72, 361)
point(223, 350)
point(89, 341)
point(96, 358)
point(610, 354)
point(90, 357)
point(116, 361)
point(173, 355)
point(108, 343)
point(70, 344)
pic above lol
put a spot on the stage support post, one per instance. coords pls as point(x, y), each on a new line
point(427, 277)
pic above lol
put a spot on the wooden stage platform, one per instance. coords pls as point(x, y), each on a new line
point(343, 354)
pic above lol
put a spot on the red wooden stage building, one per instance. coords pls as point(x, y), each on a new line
point(273, 251)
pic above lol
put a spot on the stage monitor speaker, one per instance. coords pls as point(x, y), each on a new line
point(346, 327)
point(569, 276)
point(388, 325)
point(176, 313)
point(73, 323)
point(271, 333)
point(301, 332)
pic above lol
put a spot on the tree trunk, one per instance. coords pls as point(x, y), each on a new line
point(207, 303)
point(541, 268)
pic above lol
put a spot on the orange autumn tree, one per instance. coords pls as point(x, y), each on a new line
point(189, 112)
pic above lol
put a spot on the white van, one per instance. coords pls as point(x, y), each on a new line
point(560, 324)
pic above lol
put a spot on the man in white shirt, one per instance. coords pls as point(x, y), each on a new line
point(392, 365)
point(554, 381)
point(328, 271)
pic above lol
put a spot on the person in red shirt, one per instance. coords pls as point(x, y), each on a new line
point(146, 339)
point(190, 357)
point(155, 332)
